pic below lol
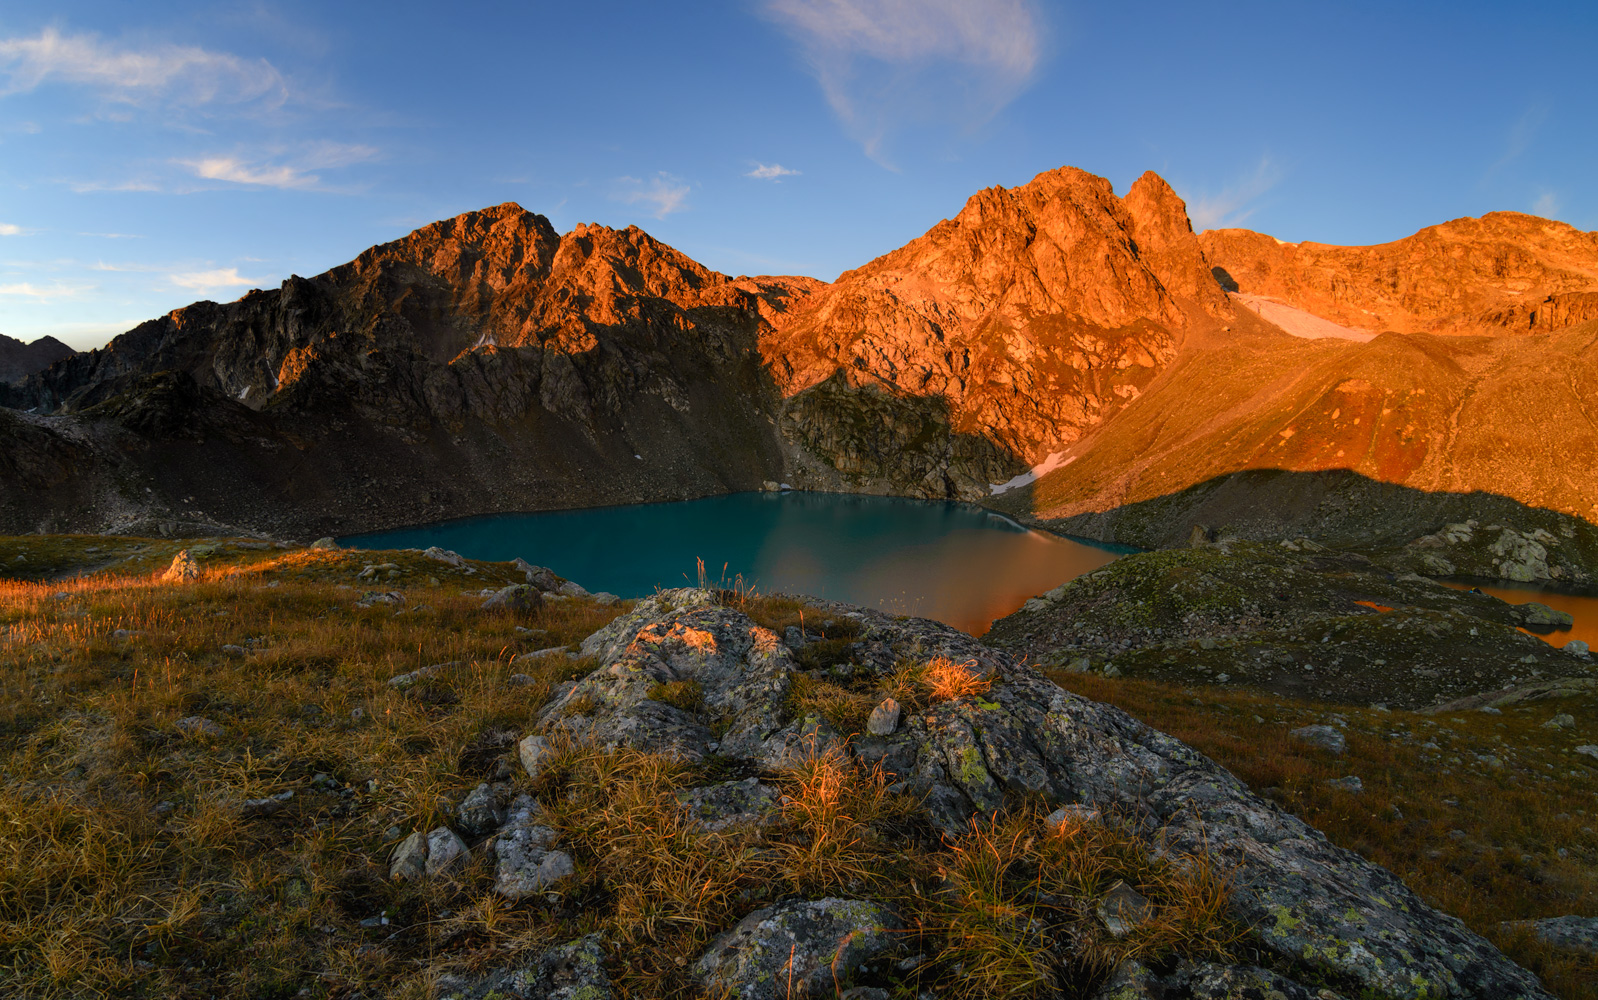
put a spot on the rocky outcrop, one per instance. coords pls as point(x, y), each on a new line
point(1313, 907)
point(19, 360)
point(1504, 273)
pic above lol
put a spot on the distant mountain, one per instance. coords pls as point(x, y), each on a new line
point(486, 363)
point(18, 360)
point(1505, 273)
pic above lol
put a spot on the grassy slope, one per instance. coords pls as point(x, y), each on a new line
point(127, 867)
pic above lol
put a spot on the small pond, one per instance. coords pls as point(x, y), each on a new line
point(1583, 609)
point(955, 563)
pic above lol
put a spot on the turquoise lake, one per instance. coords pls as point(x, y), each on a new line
point(951, 562)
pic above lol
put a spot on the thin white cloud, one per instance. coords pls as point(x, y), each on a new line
point(7, 229)
point(174, 74)
point(292, 173)
point(770, 172)
point(1546, 205)
point(882, 63)
point(43, 293)
point(115, 236)
point(1234, 204)
point(202, 281)
point(665, 193)
point(92, 187)
point(1520, 137)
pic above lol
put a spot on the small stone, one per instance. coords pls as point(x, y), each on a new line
point(121, 634)
point(1069, 817)
point(1123, 910)
point(884, 718)
point(539, 654)
point(1576, 647)
point(325, 542)
point(408, 862)
point(233, 651)
point(1589, 750)
point(729, 804)
point(480, 813)
point(164, 808)
point(1325, 738)
point(1348, 784)
point(183, 569)
point(199, 725)
point(403, 681)
point(572, 589)
point(606, 599)
point(257, 808)
point(444, 850)
point(525, 863)
point(533, 749)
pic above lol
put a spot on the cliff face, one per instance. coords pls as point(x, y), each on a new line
point(1504, 273)
point(1029, 317)
point(19, 360)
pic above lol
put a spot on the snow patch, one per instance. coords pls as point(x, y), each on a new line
point(1055, 461)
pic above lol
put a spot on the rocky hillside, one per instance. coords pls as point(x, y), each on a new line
point(1029, 318)
point(19, 360)
point(1504, 273)
point(1373, 444)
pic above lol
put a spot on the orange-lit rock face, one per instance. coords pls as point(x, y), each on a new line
point(1033, 313)
point(1503, 273)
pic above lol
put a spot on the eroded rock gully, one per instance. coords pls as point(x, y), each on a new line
point(1316, 908)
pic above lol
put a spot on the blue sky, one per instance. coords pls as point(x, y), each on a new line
point(157, 153)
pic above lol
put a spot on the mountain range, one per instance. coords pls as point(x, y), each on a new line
point(1128, 379)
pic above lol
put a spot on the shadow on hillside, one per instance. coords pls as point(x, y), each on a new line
point(1334, 506)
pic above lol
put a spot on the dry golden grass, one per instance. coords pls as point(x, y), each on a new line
point(947, 680)
point(1478, 841)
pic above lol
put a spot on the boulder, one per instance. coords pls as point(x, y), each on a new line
point(1541, 615)
point(532, 750)
point(1123, 910)
point(1328, 738)
point(184, 569)
point(445, 850)
point(426, 854)
point(796, 948)
point(445, 556)
point(516, 597)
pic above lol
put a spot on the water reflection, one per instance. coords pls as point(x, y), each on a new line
point(950, 562)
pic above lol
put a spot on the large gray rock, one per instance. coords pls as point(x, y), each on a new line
point(1314, 905)
point(729, 804)
point(1542, 614)
point(573, 971)
point(184, 569)
point(793, 949)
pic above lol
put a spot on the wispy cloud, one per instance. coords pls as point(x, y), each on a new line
point(771, 172)
point(175, 74)
point(667, 194)
point(43, 293)
point(203, 281)
point(1519, 138)
point(289, 173)
point(1546, 205)
point(882, 63)
point(1234, 204)
point(115, 236)
point(7, 229)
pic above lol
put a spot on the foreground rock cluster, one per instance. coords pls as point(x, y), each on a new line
point(1319, 917)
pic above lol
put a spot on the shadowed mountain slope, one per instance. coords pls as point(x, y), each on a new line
point(19, 360)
